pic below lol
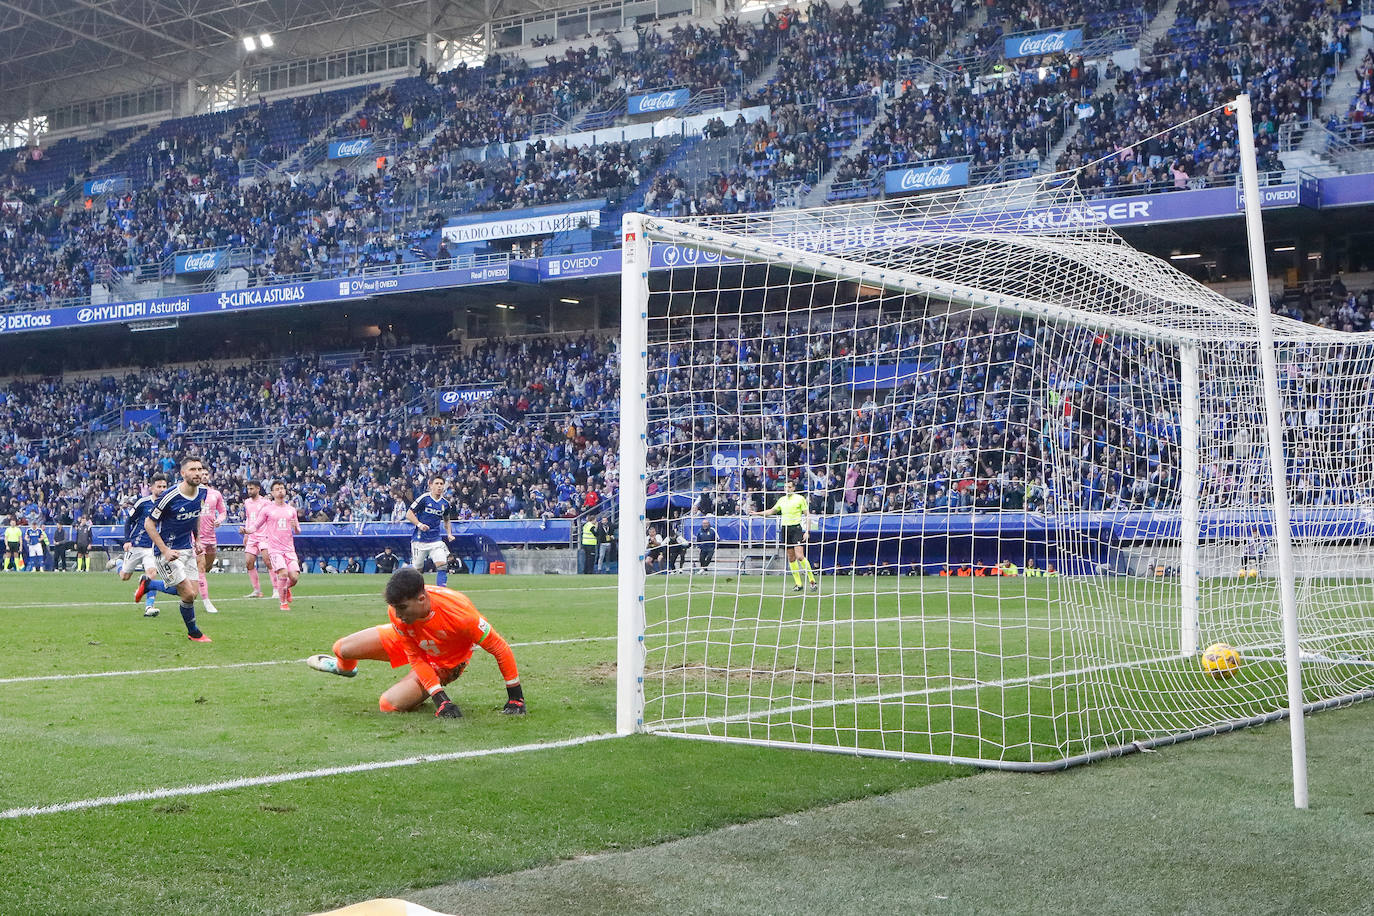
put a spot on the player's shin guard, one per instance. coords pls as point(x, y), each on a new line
point(188, 616)
point(204, 588)
point(796, 571)
point(253, 579)
point(441, 577)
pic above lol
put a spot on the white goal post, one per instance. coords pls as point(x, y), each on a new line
point(1038, 480)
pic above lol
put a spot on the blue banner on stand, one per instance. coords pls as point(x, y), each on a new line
point(927, 178)
point(201, 261)
point(1043, 43)
point(650, 103)
point(347, 149)
point(113, 184)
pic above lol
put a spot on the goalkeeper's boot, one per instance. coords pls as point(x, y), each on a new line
point(797, 589)
point(513, 708)
point(815, 586)
point(329, 665)
point(142, 589)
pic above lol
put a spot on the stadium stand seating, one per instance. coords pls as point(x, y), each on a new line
point(354, 429)
point(852, 91)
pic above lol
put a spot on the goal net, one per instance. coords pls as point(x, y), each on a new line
point(1036, 471)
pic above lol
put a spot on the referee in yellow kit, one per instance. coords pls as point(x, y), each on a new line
point(794, 518)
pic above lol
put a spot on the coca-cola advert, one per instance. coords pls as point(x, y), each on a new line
point(927, 178)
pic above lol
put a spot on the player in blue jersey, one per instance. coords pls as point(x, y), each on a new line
point(138, 547)
point(172, 525)
point(35, 546)
point(427, 513)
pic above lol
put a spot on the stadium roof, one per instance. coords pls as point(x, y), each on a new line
point(51, 51)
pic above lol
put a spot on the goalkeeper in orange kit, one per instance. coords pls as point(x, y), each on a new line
point(433, 630)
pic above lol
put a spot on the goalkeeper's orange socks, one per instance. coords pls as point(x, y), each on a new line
point(796, 570)
point(345, 664)
point(806, 567)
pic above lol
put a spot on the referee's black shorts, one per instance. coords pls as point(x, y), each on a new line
point(791, 535)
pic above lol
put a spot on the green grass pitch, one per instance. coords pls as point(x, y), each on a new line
point(172, 714)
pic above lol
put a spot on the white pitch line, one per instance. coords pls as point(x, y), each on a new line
point(71, 677)
point(377, 595)
point(279, 778)
point(30, 679)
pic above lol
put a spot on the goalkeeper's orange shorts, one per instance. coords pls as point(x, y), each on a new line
point(396, 653)
point(393, 644)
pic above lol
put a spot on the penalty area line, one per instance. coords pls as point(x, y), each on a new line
point(279, 778)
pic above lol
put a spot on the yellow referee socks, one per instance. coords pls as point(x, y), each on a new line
point(796, 570)
point(806, 566)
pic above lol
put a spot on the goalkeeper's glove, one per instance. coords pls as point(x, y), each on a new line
point(444, 708)
point(515, 701)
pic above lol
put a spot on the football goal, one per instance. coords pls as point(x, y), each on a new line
point(1038, 473)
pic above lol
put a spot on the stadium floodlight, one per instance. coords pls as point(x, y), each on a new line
point(1025, 395)
point(265, 39)
point(250, 44)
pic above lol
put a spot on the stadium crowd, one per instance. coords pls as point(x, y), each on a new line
point(355, 433)
point(353, 440)
point(1279, 53)
point(839, 69)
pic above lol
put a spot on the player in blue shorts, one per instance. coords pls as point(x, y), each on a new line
point(427, 513)
point(172, 525)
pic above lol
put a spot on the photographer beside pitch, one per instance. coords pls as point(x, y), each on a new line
point(433, 629)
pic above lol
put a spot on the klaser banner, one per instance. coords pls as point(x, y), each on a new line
point(927, 178)
point(1044, 43)
point(650, 103)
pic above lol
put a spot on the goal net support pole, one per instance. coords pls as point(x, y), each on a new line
point(634, 422)
point(1189, 534)
point(1278, 465)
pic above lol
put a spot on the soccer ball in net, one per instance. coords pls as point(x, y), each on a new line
point(1220, 660)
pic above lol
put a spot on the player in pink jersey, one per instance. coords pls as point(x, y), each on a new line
point(212, 513)
point(279, 524)
point(254, 545)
